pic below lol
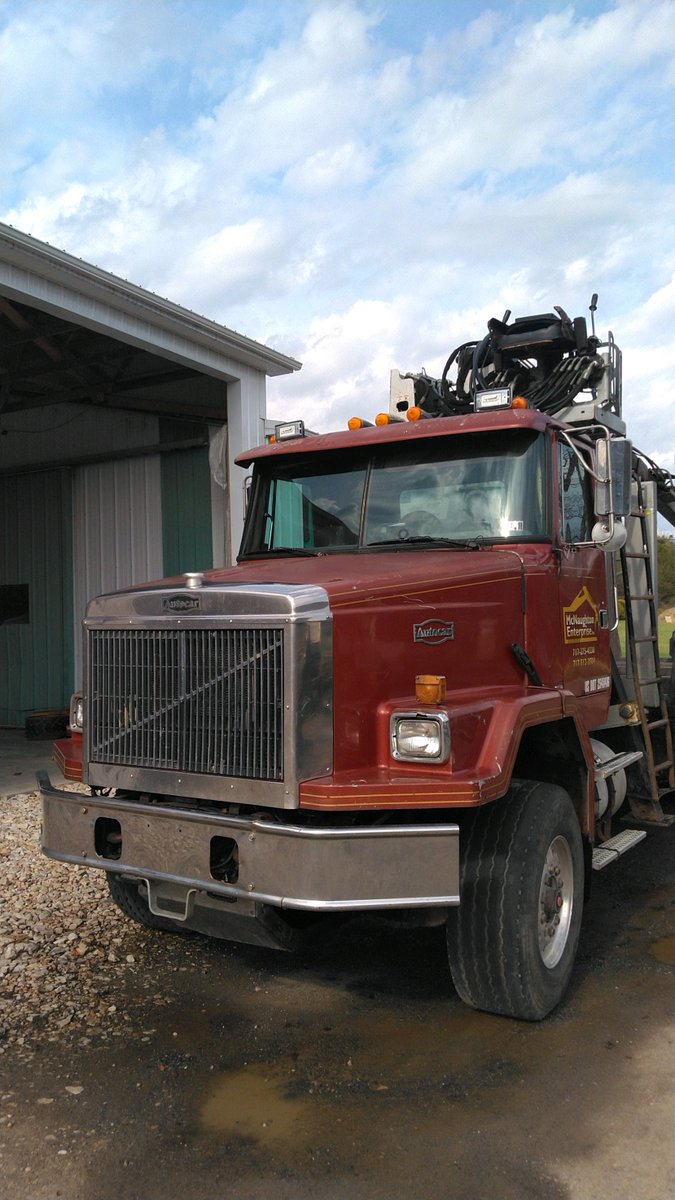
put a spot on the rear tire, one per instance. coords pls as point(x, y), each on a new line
point(133, 904)
point(513, 939)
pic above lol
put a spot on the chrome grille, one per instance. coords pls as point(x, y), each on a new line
point(204, 701)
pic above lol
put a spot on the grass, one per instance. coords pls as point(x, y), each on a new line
point(666, 629)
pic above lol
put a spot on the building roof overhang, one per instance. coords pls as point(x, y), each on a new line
point(73, 333)
point(66, 286)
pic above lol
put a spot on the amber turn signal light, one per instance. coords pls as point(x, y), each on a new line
point(430, 689)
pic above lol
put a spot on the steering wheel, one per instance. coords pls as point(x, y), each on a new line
point(421, 523)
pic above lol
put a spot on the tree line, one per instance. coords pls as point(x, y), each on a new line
point(666, 569)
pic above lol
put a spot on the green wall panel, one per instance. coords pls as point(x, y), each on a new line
point(186, 511)
point(36, 658)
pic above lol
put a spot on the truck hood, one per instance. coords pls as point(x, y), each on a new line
point(350, 579)
point(395, 615)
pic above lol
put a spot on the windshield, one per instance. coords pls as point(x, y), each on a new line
point(469, 489)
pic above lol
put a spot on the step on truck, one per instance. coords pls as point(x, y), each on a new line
point(429, 689)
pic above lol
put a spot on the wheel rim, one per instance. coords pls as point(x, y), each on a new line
point(556, 895)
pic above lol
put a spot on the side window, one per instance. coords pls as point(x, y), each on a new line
point(576, 501)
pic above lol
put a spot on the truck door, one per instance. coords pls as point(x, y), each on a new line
point(582, 583)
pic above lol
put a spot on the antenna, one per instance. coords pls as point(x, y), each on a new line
point(592, 308)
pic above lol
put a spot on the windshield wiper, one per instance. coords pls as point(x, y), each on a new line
point(424, 539)
point(298, 551)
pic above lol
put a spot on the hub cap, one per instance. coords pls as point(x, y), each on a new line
point(555, 901)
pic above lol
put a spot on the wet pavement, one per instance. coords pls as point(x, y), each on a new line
point(354, 1071)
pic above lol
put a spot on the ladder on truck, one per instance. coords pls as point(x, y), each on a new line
point(638, 566)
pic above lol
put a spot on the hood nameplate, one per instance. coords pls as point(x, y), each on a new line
point(434, 632)
point(181, 604)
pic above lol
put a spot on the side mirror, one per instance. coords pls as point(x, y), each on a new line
point(614, 457)
point(613, 489)
point(609, 536)
point(247, 489)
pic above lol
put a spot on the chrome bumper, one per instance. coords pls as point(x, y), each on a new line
point(286, 866)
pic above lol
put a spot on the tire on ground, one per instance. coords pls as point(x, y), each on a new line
point(522, 866)
point(129, 900)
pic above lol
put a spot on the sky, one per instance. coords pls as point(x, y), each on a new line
point(359, 184)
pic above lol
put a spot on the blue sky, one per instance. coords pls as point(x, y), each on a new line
point(358, 183)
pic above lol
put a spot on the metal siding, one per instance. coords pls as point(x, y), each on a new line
point(63, 432)
point(186, 511)
point(117, 532)
point(35, 659)
point(246, 405)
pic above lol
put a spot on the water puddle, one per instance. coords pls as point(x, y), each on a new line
point(663, 950)
point(251, 1103)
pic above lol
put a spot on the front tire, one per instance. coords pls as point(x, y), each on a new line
point(513, 940)
point(126, 895)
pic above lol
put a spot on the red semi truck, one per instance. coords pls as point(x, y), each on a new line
point(408, 697)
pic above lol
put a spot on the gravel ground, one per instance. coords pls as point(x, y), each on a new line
point(352, 1073)
point(66, 951)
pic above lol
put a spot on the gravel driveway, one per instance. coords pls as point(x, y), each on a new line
point(141, 1066)
point(64, 947)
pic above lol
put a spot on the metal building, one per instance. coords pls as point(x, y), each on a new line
point(120, 416)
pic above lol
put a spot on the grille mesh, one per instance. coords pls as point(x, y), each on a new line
point(205, 701)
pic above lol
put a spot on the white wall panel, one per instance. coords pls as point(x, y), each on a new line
point(62, 432)
point(245, 428)
point(117, 531)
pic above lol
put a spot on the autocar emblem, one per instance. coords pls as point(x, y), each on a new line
point(434, 631)
point(181, 604)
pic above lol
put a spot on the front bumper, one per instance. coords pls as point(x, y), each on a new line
point(340, 869)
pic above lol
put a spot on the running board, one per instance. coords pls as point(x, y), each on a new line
point(619, 762)
point(610, 850)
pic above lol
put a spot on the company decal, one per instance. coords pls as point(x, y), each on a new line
point(434, 632)
point(581, 619)
point(181, 604)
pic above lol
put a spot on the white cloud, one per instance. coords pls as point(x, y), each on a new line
point(334, 168)
point(347, 358)
point(358, 199)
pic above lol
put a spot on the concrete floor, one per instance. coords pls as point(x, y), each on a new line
point(20, 758)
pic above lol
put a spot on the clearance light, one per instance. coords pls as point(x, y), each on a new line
point(389, 418)
point(358, 423)
point(415, 413)
point(420, 737)
point(430, 689)
point(519, 402)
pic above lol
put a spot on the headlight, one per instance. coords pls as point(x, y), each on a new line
point(420, 737)
point(77, 712)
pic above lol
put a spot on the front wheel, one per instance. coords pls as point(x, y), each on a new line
point(513, 940)
point(126, 895)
